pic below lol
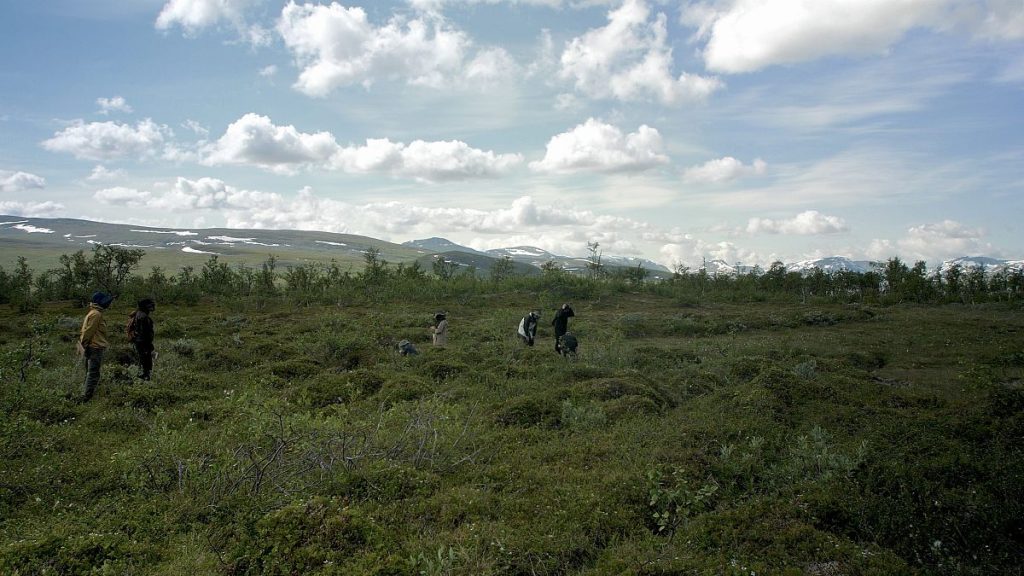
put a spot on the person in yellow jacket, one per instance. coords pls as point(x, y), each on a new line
point(93, 341)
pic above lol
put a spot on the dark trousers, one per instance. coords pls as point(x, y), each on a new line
point(145, 352)
point(93, 362)
point(558, 341)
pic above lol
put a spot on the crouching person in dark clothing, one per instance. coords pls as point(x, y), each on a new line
point(569, 345)
point(92, 341)
point(141, 333)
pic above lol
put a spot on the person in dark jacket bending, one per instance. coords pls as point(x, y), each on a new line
point(561, 324)
point(143, 334)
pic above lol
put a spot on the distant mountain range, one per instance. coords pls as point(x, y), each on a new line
point(47, 238)
point(534, 256)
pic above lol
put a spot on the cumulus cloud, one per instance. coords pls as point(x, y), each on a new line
point(723, 170)
point(599, 147)
point(804, 223)
point(428, 5)
point(490, 66)
point(101, 173)
point(31, 209)
point(268, 71)
point(109, 140)
point(336, 46)
point(630, 60)
point(692, 253)
point(121, 196)
point(943, 240)
point(748, 35)
point(195, 15)
point(255, 140)
point(115, 104)
point(19, 181)
point(187, 194)
point(560, 228)
point(427, 161)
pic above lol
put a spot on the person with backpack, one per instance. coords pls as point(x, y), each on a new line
point(528, 327)
point(92, 341)
point(141, 332)
point(561, 324)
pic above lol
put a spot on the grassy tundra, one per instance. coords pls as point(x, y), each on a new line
point(688, 437)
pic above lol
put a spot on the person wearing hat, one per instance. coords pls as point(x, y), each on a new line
point(140, 332)
point(93, 341)
point(440, 329)
point(528, 327)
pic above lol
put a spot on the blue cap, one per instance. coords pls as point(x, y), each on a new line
point(101, 299)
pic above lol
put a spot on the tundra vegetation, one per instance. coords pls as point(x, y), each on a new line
point(769, 423)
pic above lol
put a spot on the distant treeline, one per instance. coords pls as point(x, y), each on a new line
point(111, 268)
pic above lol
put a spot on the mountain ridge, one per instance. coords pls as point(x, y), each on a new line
point(42, 234)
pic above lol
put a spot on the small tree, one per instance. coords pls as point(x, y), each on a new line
point(444, 268)
point(501, 269)
point(636, 276)
point(552, 269)
point(111, 266)
point(594, 267)
point(375, 270)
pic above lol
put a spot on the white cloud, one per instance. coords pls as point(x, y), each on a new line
point(428, 5)
point(693, 252)
point(724, 169)
point(196, 127)
point(121, 196)
point(490, 66)
point(268, 71)
point(115, 104)
point(255, 140)
point(943, 240)
point(337, 46)
point(630, 60)
point(878, 176)
point(426, 161)
point(599, 147)
point(109, 140)
point(19, 181)
point(990, 19)
point(101, 173)
point(212, 194)
point(748, 35)
point(559, 228)
point(194, 15)
point(805, 223)
point(31, 209)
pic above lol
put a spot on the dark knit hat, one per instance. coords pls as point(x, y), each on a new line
point(101, 299)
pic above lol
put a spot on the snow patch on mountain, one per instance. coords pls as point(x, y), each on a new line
point(830, 265)
point(176, 232)
point(32, 229)
point(989, 265)
point(192, 250)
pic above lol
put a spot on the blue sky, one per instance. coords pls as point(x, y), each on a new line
point(743, 130)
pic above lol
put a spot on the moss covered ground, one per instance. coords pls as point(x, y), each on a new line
point(686, 438)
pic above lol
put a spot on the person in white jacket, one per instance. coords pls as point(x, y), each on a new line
point(440, 329)
point(528, 327)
